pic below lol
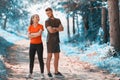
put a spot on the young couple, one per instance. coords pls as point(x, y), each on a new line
point(53, 26)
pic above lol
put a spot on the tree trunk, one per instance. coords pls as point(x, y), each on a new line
point(68, 27)
point(119, 17)
point(104, 24)
point(5, 21)
point(85, 19)
point(73, 23)
point(113, 10)
point(77, 22)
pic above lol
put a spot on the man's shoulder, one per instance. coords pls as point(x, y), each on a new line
point(47, 19)
point(57, 19)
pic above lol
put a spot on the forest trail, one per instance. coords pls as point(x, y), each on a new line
point(18, 62)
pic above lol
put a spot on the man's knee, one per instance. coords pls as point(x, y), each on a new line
point(49, 55)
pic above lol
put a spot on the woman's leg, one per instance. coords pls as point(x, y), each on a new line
point(40, 57)
point(31, 57)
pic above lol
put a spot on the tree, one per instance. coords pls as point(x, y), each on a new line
point(104, 22)
point(4, 7)
point(113, 11)
point(11, 12)
point(68, 27)
point(89, 10)
point(73, 23)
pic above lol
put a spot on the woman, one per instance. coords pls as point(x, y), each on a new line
point(34, 33)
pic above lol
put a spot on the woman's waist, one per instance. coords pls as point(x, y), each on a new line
point(36, 41)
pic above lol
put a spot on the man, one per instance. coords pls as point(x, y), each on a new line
point(53, 26)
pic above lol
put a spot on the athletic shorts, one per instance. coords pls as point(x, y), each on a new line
point(53, 47)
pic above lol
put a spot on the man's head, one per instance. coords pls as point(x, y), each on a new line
point(49, 12)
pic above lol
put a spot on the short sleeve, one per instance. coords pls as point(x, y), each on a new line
point(42, 27)
point(59, 21)
point(47, 23)
point(29, 30)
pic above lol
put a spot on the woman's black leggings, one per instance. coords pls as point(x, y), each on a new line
point(32, 52)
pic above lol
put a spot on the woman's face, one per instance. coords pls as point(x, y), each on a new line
point(35, 19)
point(49, 14)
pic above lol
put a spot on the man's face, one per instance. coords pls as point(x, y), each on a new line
point(49, 14)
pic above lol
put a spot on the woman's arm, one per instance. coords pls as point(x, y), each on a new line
point(29, 36)
point(33, 35)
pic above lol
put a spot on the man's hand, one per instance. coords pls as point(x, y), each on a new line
point(60, 28)
point(54, 29)
point(51, 30)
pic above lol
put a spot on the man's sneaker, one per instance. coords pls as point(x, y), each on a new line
point(42, 76)
point(29, 76)
point(59, 75)
point(50, 75)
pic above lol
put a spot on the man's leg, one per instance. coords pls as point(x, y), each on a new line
point(56, 62)
point(49, 56)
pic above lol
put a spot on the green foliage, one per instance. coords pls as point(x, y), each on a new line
point(14, 11)
point(88, 9)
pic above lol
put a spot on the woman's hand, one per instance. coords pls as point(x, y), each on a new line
point(29, 35)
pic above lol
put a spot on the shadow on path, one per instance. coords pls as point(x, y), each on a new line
point(73, 69)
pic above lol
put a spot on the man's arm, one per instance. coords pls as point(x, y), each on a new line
point(51, 30)
point(54, 30)
point(60, 28)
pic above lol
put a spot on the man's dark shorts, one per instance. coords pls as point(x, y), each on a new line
point(53, 47)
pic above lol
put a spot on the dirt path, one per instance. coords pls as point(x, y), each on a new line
point(73, 69)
